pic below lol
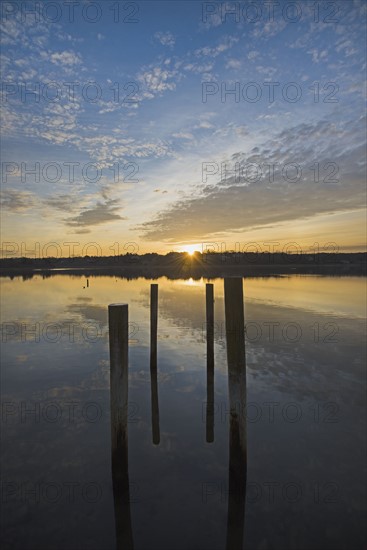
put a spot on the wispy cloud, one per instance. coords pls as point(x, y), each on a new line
point(65, 58)
point(228, 205)
point(213, 51)
point(165, 38)
point(158, 79)
point(17, 201)
point(101, 213)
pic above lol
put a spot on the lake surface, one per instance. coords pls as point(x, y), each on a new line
point(305, 352)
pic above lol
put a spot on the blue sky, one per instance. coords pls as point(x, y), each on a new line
point(175, 61)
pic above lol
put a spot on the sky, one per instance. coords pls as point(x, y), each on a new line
point(157, 126)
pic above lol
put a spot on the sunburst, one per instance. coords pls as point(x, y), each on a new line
point(191, 249)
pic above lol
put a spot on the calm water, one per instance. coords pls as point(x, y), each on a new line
point(305, 351)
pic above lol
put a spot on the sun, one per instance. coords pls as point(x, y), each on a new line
point(191, 249)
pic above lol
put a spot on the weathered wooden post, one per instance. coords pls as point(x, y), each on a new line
point(153, 362)
point(235, 335)
point(118, 337)
point(209, 363)
point(118, 321)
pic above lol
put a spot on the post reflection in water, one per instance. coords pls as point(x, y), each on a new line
point(209, 363)
point(234, 318)
point(153, 362)
point(118, 339)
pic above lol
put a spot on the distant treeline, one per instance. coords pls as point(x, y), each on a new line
point(179, 264)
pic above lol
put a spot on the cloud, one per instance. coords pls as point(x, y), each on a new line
point(65, 203)
point(232, 205)
point(268, 72)
point(198, 68)
point(226, 43)
point(102, 212)
point(157, 80)
point(317, 55)
point(165, 38)
point(17, 201)
point(81, 231)
point(204, 122)
point(204, 125)
point(65, 58)
point(183, 135)
point(271, 28)
point(233, 64)
point(253, 55)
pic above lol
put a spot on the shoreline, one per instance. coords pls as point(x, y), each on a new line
point(187, 272)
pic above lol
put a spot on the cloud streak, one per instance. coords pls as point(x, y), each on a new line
point(230, 205)
point(102, 212)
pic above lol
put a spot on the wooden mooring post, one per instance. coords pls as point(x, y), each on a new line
point(235, 335)
point(118, 338)
point(209, 363)
point(153, 362)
